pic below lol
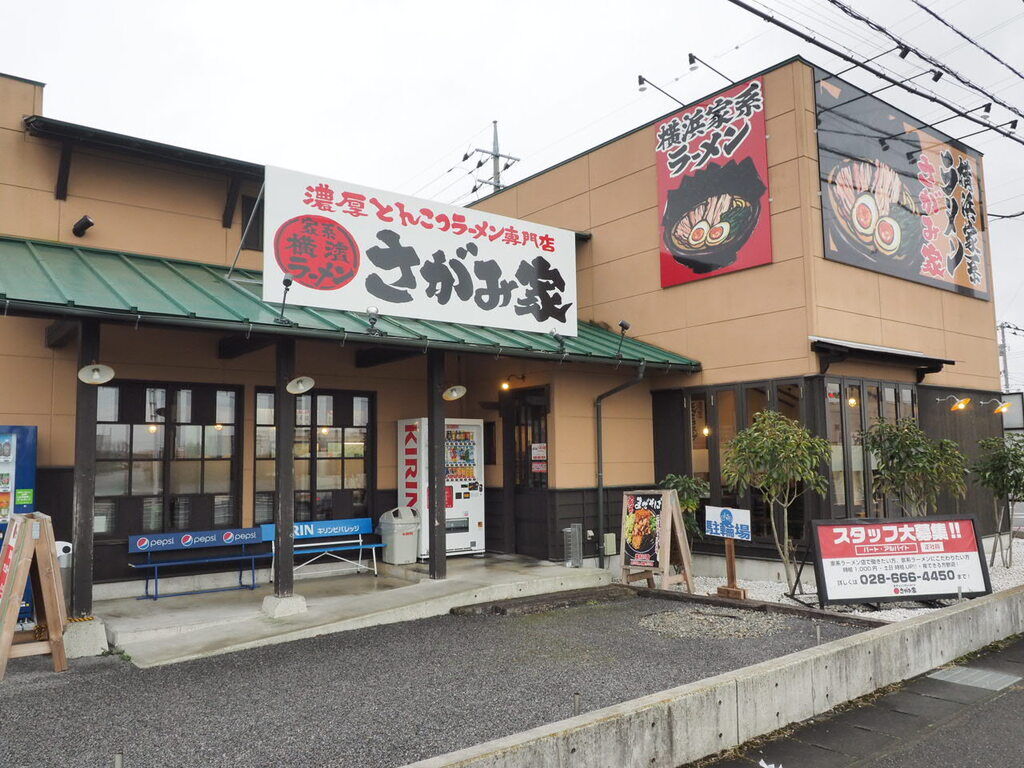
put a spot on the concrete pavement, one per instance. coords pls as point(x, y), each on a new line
point(959, 717)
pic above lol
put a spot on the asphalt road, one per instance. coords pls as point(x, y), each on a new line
point(928, 723)
point(382, 696)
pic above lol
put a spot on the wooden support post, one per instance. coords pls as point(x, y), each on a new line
point(436, 465)
point(82, 515)
point(731, 589)
point(284, 469)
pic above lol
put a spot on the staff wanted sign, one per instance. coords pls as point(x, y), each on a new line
point(349, 247)
point(861, 561)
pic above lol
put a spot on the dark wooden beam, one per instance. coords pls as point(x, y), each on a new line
point(436, 465)
point(82, 513)
point(284, 468)
point(367, 358)
point(60, 333)
point(63, 172)
point(230, 347)
point(234, 190)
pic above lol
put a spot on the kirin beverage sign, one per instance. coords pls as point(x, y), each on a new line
point(349, 247)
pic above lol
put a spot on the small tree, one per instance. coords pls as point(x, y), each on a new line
point(999, 468)
point(777, 456)
point(690, 491)
point(911, 467)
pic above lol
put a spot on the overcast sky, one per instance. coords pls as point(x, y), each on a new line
point(391, 94)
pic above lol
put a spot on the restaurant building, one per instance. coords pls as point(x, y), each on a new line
point(788, 242)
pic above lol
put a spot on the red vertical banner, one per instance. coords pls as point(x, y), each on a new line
point(712, 161)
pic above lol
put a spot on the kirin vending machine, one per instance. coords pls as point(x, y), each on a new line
point(18, 486)
point(463, 487)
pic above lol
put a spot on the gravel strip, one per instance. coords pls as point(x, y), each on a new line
point(382, 696)
point(718, 624)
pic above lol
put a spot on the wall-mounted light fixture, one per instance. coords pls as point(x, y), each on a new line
point(705, 430)
point(960, 402)
point(506, 385)
point(852, 401)
point(300, 385)
point(95, 374)
point(454, 392)
point(372, 316)
point(79, 227)
point(1002, 406)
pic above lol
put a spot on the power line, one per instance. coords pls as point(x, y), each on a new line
point(874, 70)
point(976, 44)
point(930, 59)
point(1006, 215)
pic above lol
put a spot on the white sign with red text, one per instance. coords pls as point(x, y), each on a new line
point(349, 247)
point(908, 559)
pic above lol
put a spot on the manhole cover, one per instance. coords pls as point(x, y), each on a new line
point(979, 678)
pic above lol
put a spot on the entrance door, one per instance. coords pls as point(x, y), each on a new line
point(526, 462)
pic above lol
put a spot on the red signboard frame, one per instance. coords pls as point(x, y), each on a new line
point(969, 541)
point(713, 197)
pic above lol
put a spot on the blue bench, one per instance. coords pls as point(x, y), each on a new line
point(238, 539)
point(325, 538)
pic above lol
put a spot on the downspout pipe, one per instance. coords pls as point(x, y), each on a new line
point(600, 455)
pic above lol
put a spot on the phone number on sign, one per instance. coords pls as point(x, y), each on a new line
point(908, 577)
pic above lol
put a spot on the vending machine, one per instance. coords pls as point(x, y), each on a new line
point(463, 487)
point(18, 487)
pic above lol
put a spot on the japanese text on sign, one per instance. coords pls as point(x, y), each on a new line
point(348, 247)
point(727, 522)
point(872, 561)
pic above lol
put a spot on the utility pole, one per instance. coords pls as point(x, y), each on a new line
point(1002, 354)
point(496, 165)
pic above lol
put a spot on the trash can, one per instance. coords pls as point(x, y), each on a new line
point(399, 529)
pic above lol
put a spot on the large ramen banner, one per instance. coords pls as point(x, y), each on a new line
point(712, 163)
point(896, 197)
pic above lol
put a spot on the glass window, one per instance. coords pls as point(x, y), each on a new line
point(147, 478)
point(111, 441)
point(156, 404)
point(188, 442)
point(181, 512)
point(700, 431)
point(264, 508)
point(360, 411)
point(328, 474)
point(757, 401)
point(219, 442)
point(225, 410)
point(301, 443)
point(216, 476)
point(103, 516)
point(152, 514)
point(325, 410)
point(889, 404)
point(329, 443)
point(302, 507)
point(355, 443)
point(301, 475)
point(185, 476)
point(355, 473)
point(264, 407)
point(266, 442)
point(112, 478)
point(908, 403)
point(834, 434)
point(223, 511)
point(147, 441)
point(854, 412)
point(303, 404)
point(266, 475)
point(789, 400)
point(184, 406)
point(106, 403)
point(728, 423)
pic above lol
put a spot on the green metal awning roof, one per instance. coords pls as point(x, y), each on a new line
point(63, 280)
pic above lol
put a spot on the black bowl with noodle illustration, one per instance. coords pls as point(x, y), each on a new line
point(712, 213)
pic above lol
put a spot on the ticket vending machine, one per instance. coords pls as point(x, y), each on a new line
point(464, 482)
point(18, 486)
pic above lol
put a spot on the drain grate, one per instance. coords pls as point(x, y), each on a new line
point(979, 678)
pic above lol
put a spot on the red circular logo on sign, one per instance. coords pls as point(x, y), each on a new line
point(316, 252)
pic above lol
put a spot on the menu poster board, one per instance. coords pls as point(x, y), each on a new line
point(640, 526)
point(898, 197)
point(652, 523)
point(868, 561)
point(712, 164)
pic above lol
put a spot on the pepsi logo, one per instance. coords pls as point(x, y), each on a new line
point(228, 537)
point(142, 542)
point(186, 540)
